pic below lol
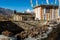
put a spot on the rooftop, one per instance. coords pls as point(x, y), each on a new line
point(24, 13)
point(47, 5)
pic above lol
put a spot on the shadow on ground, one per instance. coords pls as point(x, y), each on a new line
point(10, 26)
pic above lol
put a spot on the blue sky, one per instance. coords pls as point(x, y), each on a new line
point(21, 5)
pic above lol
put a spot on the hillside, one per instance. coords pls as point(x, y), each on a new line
point(5, 12)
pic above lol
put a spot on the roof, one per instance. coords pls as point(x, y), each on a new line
point(46, 5)
point(24, 13)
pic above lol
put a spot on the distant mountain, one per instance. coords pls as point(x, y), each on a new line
point(6, 12)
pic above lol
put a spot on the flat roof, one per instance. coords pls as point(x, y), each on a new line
point(47, 5)
point(24, 13)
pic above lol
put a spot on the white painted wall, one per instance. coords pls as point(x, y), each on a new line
point(53, 13)
point(37, 13)
point(44, 10)
point(58, 13)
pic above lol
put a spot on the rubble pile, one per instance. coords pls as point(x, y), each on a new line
point(45, 31)
point(38, 33)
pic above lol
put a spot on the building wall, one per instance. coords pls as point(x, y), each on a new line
point(47, 16)
point(41, 15)
point(53, 14)
point(17, 18)
point(38, 13)
point(50, 14)
point(56, 11)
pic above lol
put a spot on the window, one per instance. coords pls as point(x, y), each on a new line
point(47, 10)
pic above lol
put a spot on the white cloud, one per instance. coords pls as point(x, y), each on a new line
point(28, 10)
